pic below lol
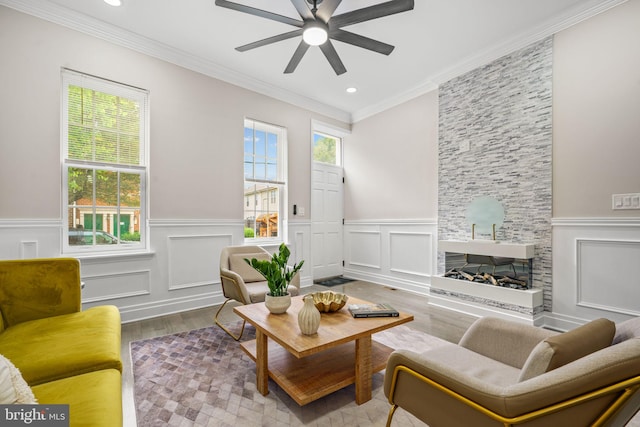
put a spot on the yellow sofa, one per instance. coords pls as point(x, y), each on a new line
point(66, 355)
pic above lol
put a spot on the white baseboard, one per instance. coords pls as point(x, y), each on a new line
point(393, 282)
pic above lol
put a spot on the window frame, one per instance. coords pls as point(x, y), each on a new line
point(74, 78)
point(280, 181)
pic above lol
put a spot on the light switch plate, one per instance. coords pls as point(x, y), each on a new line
point(626, 201)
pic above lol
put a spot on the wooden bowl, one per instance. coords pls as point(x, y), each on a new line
point(329, 301)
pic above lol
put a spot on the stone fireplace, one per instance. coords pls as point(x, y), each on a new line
point(495, 140)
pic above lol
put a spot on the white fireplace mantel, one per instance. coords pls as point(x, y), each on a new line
point(488, 247)
point(482, 299)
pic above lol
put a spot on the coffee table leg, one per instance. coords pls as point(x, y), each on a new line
point(364, 370)
point(262, 363)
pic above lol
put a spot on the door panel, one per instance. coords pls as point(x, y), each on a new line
point(326, 220)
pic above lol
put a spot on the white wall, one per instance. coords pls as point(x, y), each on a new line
point(596, 106)
point(391, 163)
point(596, 147)
point(391, 196)
point(196, 170)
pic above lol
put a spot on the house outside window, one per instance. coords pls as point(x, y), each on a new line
point(104, 164)
point(264, 181)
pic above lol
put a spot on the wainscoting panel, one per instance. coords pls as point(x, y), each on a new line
point(398, 253)
point(594, 270)
point(606, 276)
point(410, 253)
point(29, 238)
point(179, 272)
point(106, 288)
point(300, 245)
point(194, 260)
point(364, 249)
point(28, 249)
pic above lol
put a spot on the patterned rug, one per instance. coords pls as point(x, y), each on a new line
point(203, 378)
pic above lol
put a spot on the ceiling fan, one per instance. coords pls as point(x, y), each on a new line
point(319, 26)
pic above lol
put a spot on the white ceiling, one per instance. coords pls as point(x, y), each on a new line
point(436, 41)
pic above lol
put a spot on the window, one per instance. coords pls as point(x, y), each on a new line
point(326, 148)
point(104, 165)
point(264, 180)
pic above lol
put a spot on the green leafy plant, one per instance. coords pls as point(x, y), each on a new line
point(276, 271)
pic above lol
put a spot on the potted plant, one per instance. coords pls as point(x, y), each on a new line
point(278, 275)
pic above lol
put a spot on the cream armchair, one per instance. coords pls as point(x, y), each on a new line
point(242, 283)
point(504, 373)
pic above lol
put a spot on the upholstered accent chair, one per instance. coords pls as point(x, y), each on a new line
point(242, 283)
point(505, 373)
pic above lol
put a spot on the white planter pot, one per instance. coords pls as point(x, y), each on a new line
point(277, 305)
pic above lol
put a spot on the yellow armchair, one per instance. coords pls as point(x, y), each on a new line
point(37, 289)
point(65, 354)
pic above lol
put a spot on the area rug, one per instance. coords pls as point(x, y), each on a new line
point(203, 378)
point(334, 281)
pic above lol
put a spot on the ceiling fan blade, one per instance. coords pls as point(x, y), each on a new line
point(372, 12)
point(269, 40)
point(303, 9)
point(296, 58)
point(326, 9)
point(361, 41)
point(333, 58)
point(259, 12)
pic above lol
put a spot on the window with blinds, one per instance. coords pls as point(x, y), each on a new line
point(264, 181)
point(104, 164)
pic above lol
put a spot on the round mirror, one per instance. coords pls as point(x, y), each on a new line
point(484, 211)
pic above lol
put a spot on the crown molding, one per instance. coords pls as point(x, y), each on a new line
point(79, 22)
point(394, 101)
point(76, 21)
point(549, 28)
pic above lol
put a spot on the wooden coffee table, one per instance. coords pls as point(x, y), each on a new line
point(309, 367)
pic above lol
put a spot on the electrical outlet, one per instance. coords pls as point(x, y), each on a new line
point(626, 201)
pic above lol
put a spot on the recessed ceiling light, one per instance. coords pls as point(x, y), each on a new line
point(113, 2)
point(351, 90)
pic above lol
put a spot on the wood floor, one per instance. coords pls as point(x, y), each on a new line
point(442, 323)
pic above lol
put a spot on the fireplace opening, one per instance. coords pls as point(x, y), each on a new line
point(506, 272)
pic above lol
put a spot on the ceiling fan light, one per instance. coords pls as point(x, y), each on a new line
point(113, 2)
point(314, 35)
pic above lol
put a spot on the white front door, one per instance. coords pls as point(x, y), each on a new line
point(326, 220)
